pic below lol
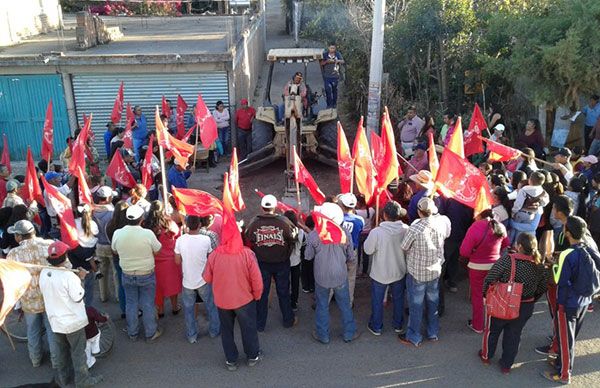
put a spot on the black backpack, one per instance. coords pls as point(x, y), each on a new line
point(587, 278)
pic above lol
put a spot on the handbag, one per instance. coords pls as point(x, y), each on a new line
point(503, 300)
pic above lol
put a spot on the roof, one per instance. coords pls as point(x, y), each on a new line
point(295, 54)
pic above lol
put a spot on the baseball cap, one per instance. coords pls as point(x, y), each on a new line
point(331, 210)
point(243, 101)
point(51, 175)
point(591, 159)
point(426, 204)
point(564, 152)
point(348, 200)
point(12, 185)
point(57, 249)
point(134, 212)
point(21, 227)
point(268, 202)
point(499, 127)
point(105, 192)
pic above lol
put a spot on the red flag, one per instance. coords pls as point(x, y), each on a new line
point(473, 144)
point(388, 170)
point(283, 207)
point(329, 231)
point(196, 202)
point(48, 134)
point(434, 164)
point(129, 118)
point(345, 161)
point(117, 110)
point(181, 150)
point(302, 176)
point(79, 147)
point(166, 109)
point(119, 172)
point(376, 150)
point(384, 196)
point(31, 190)
point(500, 152)
point(234, 183)
point(363, 163)
point(455, 143)
point(188, 134)
point(459, 179)
point(85, 195)
point(64, 211)
point(147, 165)
point(231, 239)
point(180, 116)
point(5, 160)
point(207, 123)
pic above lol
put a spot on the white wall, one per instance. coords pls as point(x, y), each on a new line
point(24, 18)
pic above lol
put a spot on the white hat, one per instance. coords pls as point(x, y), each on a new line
point(423, 178)
point(348, 200)
point(499, 127)
point(268, 202)
point(106, 192)
point(591, 159)
point(332, 211)
point(134, 212)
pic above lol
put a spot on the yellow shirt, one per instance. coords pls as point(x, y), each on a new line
point(135, 247)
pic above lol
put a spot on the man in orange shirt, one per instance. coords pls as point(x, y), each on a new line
point(243, 122)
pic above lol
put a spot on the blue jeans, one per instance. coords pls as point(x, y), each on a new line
point(281, 272)
point(377, 295)
point(516, 228)
point(225, 137)
point(189, 301)
point(246, 318)
point(35, 324)
point(331, 85)
point(139, 294)
point(120, 283)
point(88, 287)
point(137, 143)
point(419, 294)
point(595, 147)
point(244, 142)
point(342, 299)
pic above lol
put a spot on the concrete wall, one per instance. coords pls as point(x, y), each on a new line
point(24, 18)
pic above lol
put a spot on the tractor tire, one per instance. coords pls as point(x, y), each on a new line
point(262, 134)
point(328, 134)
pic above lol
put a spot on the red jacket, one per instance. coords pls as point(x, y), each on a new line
point(480, 245)
point(244, 117)
point(236, 279)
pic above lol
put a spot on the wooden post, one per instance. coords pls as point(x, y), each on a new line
point(376, 209)
point(196, 145)
point(352, 178)
point(297, 184)
point(163, 175)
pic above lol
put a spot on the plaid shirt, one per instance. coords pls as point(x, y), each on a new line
point(32, 251)
point(424, 247)
point(214, 238)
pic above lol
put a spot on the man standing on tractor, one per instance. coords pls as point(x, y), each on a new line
point(295, 87)
point(330, 65)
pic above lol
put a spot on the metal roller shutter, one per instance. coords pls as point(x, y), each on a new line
point(96, 94)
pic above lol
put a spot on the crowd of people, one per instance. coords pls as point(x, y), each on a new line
point(541, 229)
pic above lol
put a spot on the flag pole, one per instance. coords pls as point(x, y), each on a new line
point(163, 176)
point(196, 145)
point(352, 179)
point(376, 208)
point(407, 162)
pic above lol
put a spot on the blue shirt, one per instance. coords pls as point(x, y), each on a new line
point(107, 138)
point(591, 114)
point(141, 131)
point(178, 178)
point(353, 224)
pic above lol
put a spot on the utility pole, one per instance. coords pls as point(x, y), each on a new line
point(376, 69)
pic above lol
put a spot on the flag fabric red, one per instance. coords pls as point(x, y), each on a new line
point(234, 183)
point(180, 150)
point(180, 116)
point(363, 163)
point(345, 161)
point(388, 169)
point(434, 164)
point(473, 144)
point(79, 147)
point(31, 190)
point(376, 151)
point(117, 110)
point(5, 159)
point(302, 176)
point(207, 123)
point(166, 109)
point(231, 238)
point(85, 195)
point(459, 179)
point(196, 202)
point(147, 165)
point(129, 118)
point(188, 134)
point(48, 134)
point(384, 196)
point(455, 144)
point(15, 279)
point(283, 207)
point(329, 231)
point(500, 152)
point(64, 212)
point(119, 173)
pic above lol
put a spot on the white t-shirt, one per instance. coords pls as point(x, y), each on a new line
point(194, 250)
point(63, 299)
point(86, 241)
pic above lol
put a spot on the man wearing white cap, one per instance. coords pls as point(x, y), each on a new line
point(136, 247)
point(424, 182)
point(272, 239)
point(102, 213)
point(423, 246)
point(354, 225)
